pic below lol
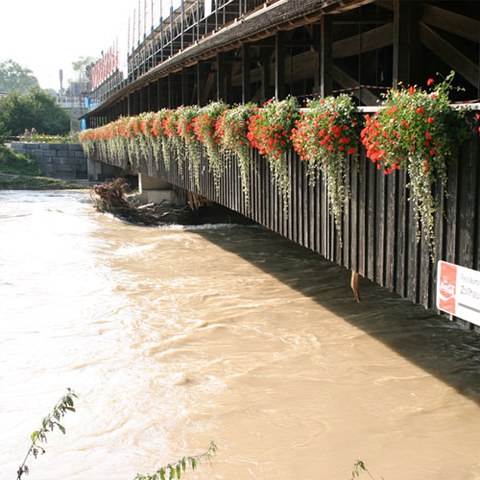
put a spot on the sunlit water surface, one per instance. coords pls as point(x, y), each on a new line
point(173, 337)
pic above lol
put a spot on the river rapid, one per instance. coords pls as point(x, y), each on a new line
point(173, 337)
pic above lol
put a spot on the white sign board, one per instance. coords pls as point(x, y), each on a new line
point(458, 291)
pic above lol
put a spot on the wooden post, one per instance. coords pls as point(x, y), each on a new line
point(154, 100)
point(170, 92)
point(266, 91)
point(200, 71)
point(223, 77)
point(246, 90)
point(317, 55)
point(280, 41)
point(162, 93)
point(184, 85)
point(326, 56)
point(406, 43)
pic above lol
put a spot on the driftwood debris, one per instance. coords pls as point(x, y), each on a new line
point(112, 197)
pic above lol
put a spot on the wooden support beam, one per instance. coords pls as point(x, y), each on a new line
point(201, 73)
point(370, 40)
point(154, 100)
point(279, 66)
point(452, 22)
point(449, 54)
point(171, 96)
point(209, 86)
point(246, 82)
point(316, 53)
point(221, 78)
point(162, 93)
point(185, 100)
point(326, 56)
point(406, 52)
point(346, 81)
point(265, 74)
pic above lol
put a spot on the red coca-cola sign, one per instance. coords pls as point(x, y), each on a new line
point(447, 287)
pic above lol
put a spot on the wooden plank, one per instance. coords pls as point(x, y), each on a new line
point(354, 218)
point(380, 250)
point(449, 54)
point(413, 264)
point(391, 228)
point(451, 214)
point(307, 224)
point(461, 25)
point(362, 212)
point(292, 220)
point(300, 201)
point(311, 217)
point(371, 237)
point(467, 196)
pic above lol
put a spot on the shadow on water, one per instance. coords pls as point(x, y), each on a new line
point(442, 348)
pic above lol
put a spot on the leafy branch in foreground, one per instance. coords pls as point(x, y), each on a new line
point(175, 470)
point(49, 423)
point(358, 468)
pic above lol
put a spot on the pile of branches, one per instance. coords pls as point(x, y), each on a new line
point(112, 197)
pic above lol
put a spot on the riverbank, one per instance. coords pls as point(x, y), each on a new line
point(29, 182)
point(19, 172)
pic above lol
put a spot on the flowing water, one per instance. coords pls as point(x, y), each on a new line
point(173, 337)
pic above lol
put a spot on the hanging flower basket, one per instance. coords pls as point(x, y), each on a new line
point(186, 117)
point(417, 131)
point(269, 131)
point(206, 133)
point(326, 138)
point(161, 148)
point(232, 130)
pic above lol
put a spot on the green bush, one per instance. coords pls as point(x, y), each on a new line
point(18, 164)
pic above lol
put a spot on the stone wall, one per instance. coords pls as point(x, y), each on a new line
point(58, 160)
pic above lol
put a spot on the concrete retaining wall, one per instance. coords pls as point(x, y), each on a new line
point(58, 160)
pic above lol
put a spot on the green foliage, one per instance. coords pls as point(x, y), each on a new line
point(4, 133)
point(19, 164)
point(175, 470)
point(15, 78)
point(358, 468)
point(49, 423)
point(37, 109)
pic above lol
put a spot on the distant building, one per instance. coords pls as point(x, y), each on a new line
point(73, 100)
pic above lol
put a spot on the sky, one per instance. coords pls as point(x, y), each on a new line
point(48, 35)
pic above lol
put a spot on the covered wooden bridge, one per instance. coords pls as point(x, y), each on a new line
point(239, 51)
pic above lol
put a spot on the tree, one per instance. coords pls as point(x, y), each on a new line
point(80, 67)
point(37, 109)
point(15, 78)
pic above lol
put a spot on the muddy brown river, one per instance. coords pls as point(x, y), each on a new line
point(173, 337)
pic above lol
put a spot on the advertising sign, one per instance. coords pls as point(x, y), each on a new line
point(458, 291)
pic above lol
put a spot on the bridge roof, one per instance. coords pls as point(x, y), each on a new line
point(261, 23)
